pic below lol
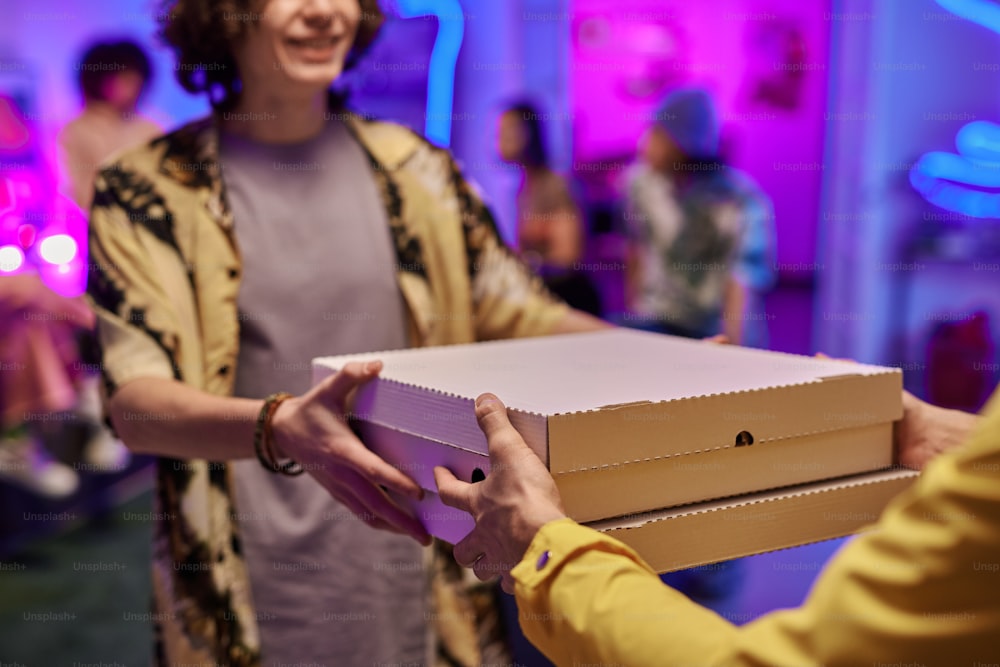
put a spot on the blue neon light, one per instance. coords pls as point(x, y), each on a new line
point(444, 57)
point(949, 180)
point(983, 12)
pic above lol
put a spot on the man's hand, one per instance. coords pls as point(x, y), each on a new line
point(927, 430)
point(313, 430)
point(515, 500)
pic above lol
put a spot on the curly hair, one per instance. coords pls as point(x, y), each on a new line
point(202, 34)
point(102, 60)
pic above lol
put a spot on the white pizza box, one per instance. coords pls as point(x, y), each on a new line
point(629, 421)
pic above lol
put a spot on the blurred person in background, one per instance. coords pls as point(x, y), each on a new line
point(551, 234)
point(48, 388)
point(227, 254)
point(39, 371)
point(113, 77)
point(701, 234)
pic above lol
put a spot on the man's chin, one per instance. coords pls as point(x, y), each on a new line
point(314, 75)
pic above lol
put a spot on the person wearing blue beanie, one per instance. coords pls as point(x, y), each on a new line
point(689, 118)
point(701, 233)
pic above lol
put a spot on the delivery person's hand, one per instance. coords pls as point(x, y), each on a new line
point(313, 430)
point(515, 500)
point(927, 430)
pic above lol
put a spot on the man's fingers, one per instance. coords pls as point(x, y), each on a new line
point(453, 491)
point(352, 375)
point(357, 508)
point(369, 465)
point(346, 497)
point(491, 414)
point(469, 550)
point(380, 505)
point(483, 570)
point(503, 438)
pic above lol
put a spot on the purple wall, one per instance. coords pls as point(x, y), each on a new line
point(765, 61)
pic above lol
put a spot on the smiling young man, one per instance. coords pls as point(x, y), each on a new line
point(225, 256)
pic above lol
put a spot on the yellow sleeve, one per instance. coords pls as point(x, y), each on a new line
point(584, 598)
point(921, 588)
point(135, 324)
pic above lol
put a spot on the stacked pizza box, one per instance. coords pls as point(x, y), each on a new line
point(690, 452)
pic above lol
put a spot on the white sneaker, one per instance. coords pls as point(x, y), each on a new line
point(105, 453)
point(25, 462)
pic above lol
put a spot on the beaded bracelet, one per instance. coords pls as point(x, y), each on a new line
point(263, 438)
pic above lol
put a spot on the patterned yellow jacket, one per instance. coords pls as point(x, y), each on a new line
point(163, 280)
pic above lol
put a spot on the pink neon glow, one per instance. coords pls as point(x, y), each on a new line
point(26, 235)
point(13, 133)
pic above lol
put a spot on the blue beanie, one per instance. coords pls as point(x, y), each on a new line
point(689, 117)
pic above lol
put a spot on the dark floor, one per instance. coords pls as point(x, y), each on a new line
point(74, 576)
point(81, 594)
